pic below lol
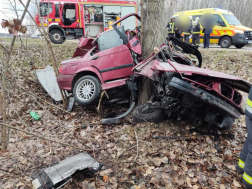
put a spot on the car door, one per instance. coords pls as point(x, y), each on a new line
point(114, 60)
point(220, 29)
point(69, 15)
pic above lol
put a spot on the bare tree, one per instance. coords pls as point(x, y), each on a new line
point(152, 34)
point(4, 78)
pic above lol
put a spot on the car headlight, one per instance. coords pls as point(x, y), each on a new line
point(239, 31)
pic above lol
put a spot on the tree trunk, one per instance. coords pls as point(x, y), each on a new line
point(153, 27)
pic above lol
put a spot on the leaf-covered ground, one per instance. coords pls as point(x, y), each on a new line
point(131, 157)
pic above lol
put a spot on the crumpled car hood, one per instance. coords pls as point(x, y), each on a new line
point(148, 69)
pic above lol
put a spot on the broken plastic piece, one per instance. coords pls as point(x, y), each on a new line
point(35, 115)
point(71, 104)
point(57, 175)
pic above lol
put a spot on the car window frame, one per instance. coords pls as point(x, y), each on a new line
point(217, 21)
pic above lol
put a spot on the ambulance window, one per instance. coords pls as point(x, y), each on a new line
point(57, 10)
point(231, 19)
point(219, 21)
point(45, 8)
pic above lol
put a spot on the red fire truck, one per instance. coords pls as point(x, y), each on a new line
point(79, 18)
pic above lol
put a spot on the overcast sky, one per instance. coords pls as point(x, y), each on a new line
point(7, 11)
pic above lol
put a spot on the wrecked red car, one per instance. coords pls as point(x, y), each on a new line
point(187, 92)
point(101, 64)
point(113, 63)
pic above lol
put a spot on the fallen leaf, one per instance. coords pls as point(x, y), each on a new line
point(106, 172)
point(105, 178)
point(188, 181)
point(195, 187)
point(154, 181)
point(172, 156)
point(237, 184)
point(157, 161)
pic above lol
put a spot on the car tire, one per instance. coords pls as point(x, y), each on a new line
point(225, 42)
point(140, 114)
point(87, 91)
point(239, 46)
point(56, 36)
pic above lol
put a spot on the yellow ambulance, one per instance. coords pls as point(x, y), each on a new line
point(228, 29)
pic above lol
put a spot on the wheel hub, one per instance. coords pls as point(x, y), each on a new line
point(85, 89)
point(225, 42)
point(56, 36)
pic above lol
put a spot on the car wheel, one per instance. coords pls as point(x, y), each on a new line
point(225, 42)
point(56, 36)
point(87, 90)
point(142, 113)
point(239, 46)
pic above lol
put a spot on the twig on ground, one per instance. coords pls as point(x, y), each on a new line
point(43, 138)
point(137, 146)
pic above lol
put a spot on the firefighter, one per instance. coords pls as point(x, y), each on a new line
point(196, 31)
point(188, 33)
point(171, 27)
point(245, 162)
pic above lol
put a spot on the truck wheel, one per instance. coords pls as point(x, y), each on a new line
point(141, 113)
point(225, 42)
point(56, 36)
point(239, 46)
point(87, 90)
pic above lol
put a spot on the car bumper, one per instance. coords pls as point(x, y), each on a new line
point(240, 39)
point(65, 81)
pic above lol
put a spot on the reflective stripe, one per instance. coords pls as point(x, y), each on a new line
point(249, 109)
point(247, 178)
point(249, 102)
point(171, 26)
point(186, 33)
point(196, 32)
point(241, 164)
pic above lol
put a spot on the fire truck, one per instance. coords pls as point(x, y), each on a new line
point(79, 18)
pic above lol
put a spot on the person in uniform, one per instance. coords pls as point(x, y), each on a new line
point(196, 32)
point(245, 162)
point(188, 33)
point(171, 27)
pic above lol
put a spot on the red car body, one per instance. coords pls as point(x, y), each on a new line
point(112, 66)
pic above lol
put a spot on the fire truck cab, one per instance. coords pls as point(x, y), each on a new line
point(79, 18)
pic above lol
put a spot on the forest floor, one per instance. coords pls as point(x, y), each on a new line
point(131, 157)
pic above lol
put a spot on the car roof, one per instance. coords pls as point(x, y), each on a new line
point(210, 10)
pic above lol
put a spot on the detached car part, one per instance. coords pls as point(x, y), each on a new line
point(57, 175)
point(48, 80)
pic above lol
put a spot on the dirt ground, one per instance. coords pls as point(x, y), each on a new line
point(131, 155)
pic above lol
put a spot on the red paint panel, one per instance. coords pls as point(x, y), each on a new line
point(110, 58)
point(136, 48)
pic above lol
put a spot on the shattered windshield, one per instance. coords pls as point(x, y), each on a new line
point(231, 19)
point(45, 9)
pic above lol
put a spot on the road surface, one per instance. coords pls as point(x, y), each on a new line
point(249, 48)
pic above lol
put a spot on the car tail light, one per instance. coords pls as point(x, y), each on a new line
point(60, 69)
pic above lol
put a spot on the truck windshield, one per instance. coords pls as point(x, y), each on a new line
point(231, 19)
point(45, 8)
